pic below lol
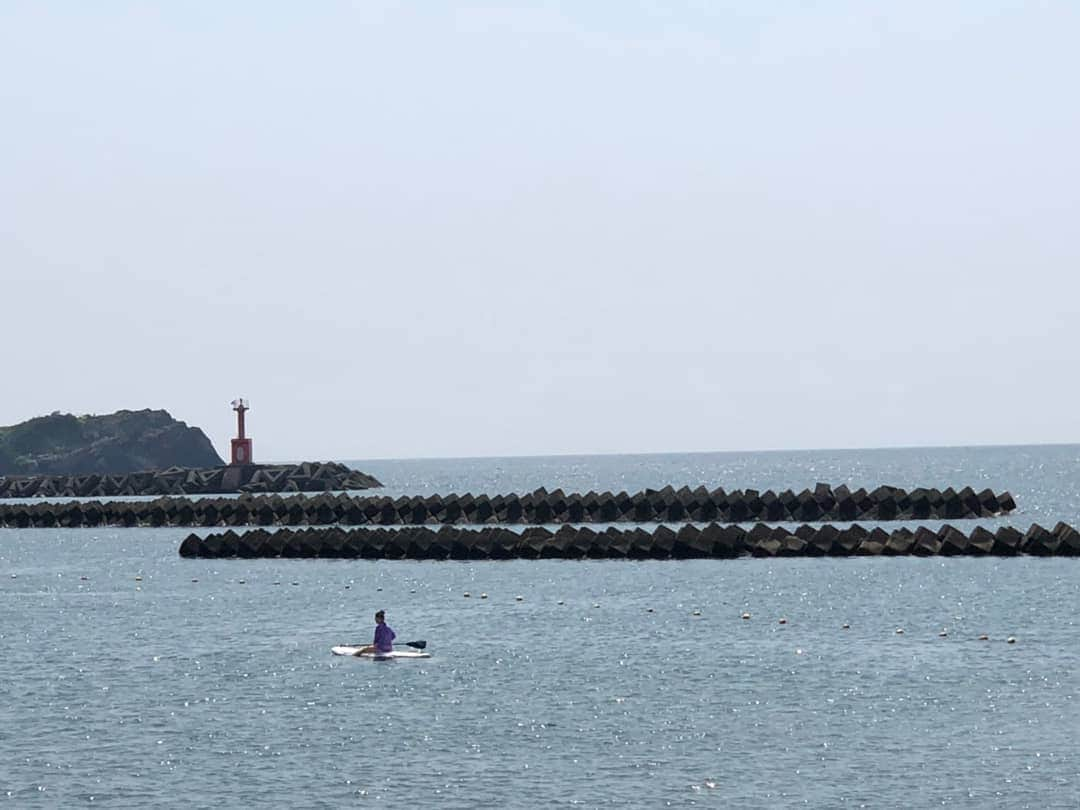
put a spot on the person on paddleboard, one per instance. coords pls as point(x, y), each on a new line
point(384, 637)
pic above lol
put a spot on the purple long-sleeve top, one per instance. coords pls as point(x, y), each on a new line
point(384, 637)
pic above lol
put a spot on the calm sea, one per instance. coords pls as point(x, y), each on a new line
point(130, 677)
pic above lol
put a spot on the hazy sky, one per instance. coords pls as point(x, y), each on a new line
point(436, 229)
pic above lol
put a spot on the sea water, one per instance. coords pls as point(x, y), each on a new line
point(130, 677)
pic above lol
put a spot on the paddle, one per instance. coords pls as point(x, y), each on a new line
point(419, 645)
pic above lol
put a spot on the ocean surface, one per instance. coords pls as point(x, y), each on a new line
point(132, 678)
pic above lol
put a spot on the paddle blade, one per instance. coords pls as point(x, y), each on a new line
point(417, 644)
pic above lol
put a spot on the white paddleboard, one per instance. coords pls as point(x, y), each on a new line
point(345, 649)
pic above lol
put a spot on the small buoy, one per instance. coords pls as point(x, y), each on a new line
point(466, 594)
point(647, 610)
point(1010, 640)
point(520, 598)
point(783, 620)
point(899, 631)
point(984, 637)
point(746, 615)
point(483, 596)
point(696, 613)
point(845, 626)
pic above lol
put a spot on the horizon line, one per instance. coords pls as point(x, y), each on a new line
point(342, 459)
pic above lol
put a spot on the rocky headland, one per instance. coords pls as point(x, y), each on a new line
point(121, 442)
point(143, 453)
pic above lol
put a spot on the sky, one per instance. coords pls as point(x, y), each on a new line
point(440, 229)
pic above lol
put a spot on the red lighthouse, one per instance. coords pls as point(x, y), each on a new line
point(241, 446)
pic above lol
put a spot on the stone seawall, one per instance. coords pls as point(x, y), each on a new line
point(666, 505)
point(581, 542)
point(309, 476)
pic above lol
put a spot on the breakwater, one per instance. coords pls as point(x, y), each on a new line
point(581, 542)
point(666, 505)
point(309, 476)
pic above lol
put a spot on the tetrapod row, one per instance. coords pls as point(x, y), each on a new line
point(581, 542)
point(666, 505)
point(308, 476)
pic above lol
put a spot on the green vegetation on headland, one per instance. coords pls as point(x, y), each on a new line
point(122, 442)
